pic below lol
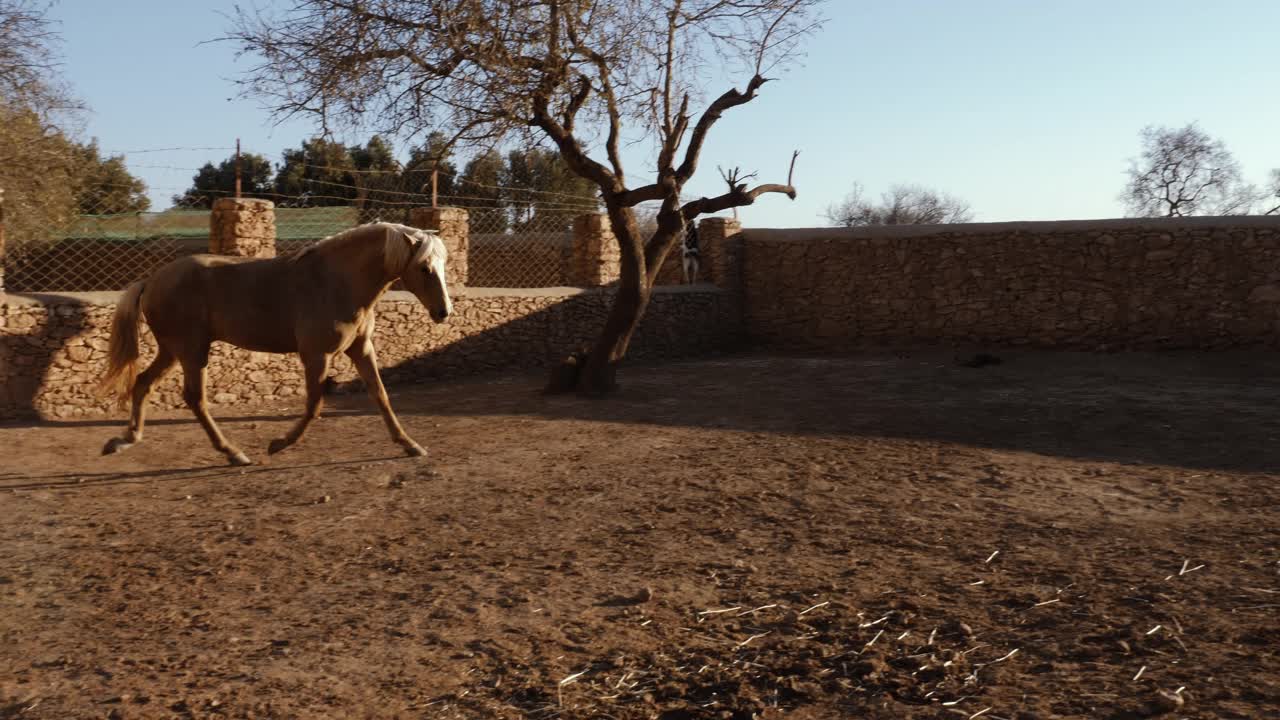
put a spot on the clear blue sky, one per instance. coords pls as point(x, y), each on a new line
point(1028, 110)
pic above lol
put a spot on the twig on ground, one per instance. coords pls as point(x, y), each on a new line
point(722, 610)
point(808, 610)
point(872, 641)
point(1006, 657)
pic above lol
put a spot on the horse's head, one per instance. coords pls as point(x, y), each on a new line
point(424, 274)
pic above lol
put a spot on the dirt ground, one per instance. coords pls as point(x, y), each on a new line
point(883, 536)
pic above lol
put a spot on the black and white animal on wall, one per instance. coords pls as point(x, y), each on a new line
point(691, 257)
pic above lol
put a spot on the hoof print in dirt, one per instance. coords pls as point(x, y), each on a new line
point(639, 598)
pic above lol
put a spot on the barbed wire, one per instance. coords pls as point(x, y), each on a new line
point(393, 173)
point(456, 176)
point(172, 149)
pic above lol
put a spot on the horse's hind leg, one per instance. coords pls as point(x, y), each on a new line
point(141, 393)
point(366, 362)
point(314, 368)
point(193, 381)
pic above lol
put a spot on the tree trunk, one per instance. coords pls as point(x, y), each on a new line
point(594, 371)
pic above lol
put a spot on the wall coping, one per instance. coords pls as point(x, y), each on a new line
point(1268, 222)
point(109, 298)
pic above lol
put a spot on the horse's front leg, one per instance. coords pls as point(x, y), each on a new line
point(315, 366)
point(365, 359)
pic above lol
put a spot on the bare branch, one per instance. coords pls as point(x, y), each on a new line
point(729, 99)
point(738, 194)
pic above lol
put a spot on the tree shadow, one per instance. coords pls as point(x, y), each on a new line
point(681, 322)
point(1214, 411)
point(30, 353)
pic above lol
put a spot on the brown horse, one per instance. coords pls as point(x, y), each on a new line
point(317, 302)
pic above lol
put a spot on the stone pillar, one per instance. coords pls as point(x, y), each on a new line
point(592, 257)
point(454, 229)
point(243, 227)
point(720, 244)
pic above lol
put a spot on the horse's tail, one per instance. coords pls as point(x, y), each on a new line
point(122, 357)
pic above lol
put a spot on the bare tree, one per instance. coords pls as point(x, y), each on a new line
point(585, 74)
point(901, 205)
point(1271, 198)
point(1183, 171)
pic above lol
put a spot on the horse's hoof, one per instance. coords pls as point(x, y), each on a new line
point(115, 445)
point(413, 449)
point(238, 458)
point(277, 445)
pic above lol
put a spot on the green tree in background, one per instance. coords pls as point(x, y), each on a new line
point(317, 173)
point(376, 174)
point(39, 163)
point(435, 152)
point(480, 190)
point(104, 186)
point(214, 181)
point(543, 191)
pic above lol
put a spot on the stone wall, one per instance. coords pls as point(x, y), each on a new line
point(53, 347)
point(1110, 284)
point(1107, 284)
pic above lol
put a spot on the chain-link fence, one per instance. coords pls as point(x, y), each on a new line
point(517, 237)
point(532, 252)
point(101, 252)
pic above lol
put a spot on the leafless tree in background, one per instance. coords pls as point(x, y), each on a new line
point(585, 74)
point(1271, 200)
point(1183, 171)
point(29, 65)
point(901, 205)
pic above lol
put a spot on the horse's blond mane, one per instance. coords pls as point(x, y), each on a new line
point(397, 254)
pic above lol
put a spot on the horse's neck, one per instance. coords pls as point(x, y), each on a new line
point(361, 262)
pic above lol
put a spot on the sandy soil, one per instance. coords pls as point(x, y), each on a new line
point(1057, 536)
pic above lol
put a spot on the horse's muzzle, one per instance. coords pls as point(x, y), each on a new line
point(439, 315)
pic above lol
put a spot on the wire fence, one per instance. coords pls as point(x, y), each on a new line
point(518, 237)
point(101, 252)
